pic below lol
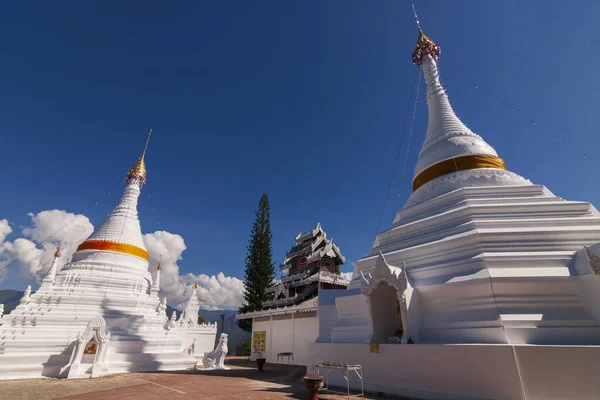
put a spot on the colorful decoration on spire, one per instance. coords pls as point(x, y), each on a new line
point(137, 173)
point(57, 254)
point(425, 46)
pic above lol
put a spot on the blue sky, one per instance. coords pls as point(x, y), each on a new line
point(304, 100)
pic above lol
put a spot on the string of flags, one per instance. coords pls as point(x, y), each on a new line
point(62, 228)
point(415, 86)
point(512, 107)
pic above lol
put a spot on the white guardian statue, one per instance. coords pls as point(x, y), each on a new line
point(216, 358)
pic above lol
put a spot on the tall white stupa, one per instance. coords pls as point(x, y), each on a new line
point(101, 312)
point(484, 255)
point(486, 286)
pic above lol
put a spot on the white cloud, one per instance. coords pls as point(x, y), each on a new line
point(214, 292)
point(65, 228)
point(219, 291)
point(59, 228)
point(33, 258)
point(347, 275)
point(5, 230)
point(28, 257)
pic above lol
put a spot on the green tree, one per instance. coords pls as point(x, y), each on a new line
point(260, 270)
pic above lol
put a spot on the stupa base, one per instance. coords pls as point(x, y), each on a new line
point(462, 371)
point(57, 366)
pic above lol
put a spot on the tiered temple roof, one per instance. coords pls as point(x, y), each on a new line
point(312, 249)
point(311, 264)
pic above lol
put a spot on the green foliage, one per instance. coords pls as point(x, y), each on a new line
point(200, 320)
point(247, 347)
point(260, 270)
point(245, 324)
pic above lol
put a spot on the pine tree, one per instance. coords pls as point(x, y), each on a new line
point(260, 270)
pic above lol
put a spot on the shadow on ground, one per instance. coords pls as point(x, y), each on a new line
point(287, 377)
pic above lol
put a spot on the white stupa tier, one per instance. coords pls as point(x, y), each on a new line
point(477, 255)
point(101, 313)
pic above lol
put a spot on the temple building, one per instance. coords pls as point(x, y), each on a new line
point(478, 255)
point(312, 264)
point(101, 312)
point(287, 321)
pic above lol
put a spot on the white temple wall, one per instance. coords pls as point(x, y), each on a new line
point(305, 333)
point(414, 314)
point(461, 372)
point(282, 332)
point(590, 294)
point(286, 334)
point(205, 340)
point(328, 313)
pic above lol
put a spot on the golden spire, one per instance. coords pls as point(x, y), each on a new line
point(57, 254)
point(138, 170)
point(424, 45)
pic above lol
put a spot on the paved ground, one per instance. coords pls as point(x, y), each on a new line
point(243, 381)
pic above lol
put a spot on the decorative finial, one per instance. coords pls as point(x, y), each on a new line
point(138, 171)
point(195, 286)
point(57, 253)
point(416, 18)
point(424, 45)
point(158, 267)
point(146, 145)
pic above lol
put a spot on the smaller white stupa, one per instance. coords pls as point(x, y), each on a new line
point(101, 312)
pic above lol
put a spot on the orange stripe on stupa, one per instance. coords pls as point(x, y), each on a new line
point(115, 247)
point(456, 164)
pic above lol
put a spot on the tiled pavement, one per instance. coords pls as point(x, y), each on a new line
point(243, 381)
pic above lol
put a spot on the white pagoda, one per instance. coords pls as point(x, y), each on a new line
point(101, 312)
point(478, 266)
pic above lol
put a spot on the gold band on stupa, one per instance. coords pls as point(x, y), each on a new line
point(114, 247)
point(456, 164)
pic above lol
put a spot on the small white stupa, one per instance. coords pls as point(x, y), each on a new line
point(101, 312)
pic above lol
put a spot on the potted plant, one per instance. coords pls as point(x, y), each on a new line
point(313, 383)
point(260, 361)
